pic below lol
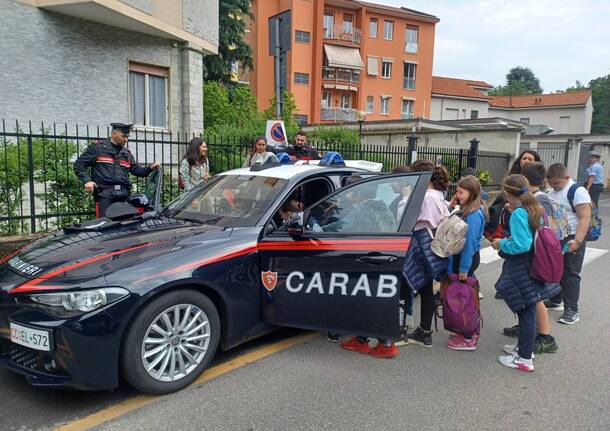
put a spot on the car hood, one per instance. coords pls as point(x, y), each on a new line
point(86, 255)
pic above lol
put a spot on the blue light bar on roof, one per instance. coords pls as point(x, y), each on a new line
point(332, 158)
point(284, 158)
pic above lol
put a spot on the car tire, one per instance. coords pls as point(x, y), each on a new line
point(137, 357)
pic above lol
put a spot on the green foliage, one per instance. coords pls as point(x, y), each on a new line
point(484, 177)
point(232, 48)
point(519, 81)
point(215, 104)
point(576, 87)
point(289, 109)
point(336, 136)
point(600, 90)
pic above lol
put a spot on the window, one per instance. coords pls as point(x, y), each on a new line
point(301, 78)
point(451, 114)
point(370, 104)
point(564, 124)
point(407, 108)
point(372, 67)
point(388, 30)
point(303, 36)
point(326, 99)
point(329, 24)
point(348, 23)
point(386, 69)
point(524, 120)
point(385, 105)
point(148, 101)
point(409, 76)
point(411, 39)
point(346, 101)
point(474, 114)
point(362, 208)
point(373, 28)
point(301, 119)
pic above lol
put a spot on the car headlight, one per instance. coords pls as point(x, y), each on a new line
point(69, 304)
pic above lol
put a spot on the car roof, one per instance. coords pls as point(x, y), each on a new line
point(289, 171)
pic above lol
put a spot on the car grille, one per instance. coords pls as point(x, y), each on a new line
point(24, 357)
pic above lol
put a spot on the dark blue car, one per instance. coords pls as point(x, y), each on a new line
point(153, 297)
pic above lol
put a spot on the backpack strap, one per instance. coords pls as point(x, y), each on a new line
point(571, 193)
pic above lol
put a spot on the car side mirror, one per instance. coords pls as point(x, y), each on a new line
point(294, 225)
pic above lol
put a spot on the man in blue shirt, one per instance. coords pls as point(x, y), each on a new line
point(595, 177)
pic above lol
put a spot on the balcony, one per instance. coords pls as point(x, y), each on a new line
point(338, 114)
point(408, 83)
point(343, 34)
point(340, 75)
point(411, 47)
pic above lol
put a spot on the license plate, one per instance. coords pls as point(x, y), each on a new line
point(38, 339)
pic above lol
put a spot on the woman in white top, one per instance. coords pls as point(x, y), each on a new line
point(259, 152)
point(195, 165)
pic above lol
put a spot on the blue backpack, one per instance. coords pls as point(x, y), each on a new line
point(595, 227)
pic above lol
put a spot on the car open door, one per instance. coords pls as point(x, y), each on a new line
point(343, 273)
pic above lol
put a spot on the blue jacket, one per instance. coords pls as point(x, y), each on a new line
point(476, 224)
point(422, 266)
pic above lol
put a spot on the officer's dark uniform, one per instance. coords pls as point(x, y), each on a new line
point(110, 167)
point(304, 153)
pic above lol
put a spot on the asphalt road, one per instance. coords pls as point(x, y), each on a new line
point(317, 385)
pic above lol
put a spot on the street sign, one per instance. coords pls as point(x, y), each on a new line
point(285, 32)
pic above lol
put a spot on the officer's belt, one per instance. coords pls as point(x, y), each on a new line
point(116, 187)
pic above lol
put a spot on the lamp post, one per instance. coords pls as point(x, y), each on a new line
point(361, 117)
point(412, 146)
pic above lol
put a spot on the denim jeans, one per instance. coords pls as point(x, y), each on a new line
point(527, 331)
point(570, 282)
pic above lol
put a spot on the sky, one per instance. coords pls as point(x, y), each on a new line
point(560, 40)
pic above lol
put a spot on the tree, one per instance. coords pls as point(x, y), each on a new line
point(600, 92)
point(231, 48)
point(576, 87)
point(215, 104)
point(289, 108)
point(519, 81)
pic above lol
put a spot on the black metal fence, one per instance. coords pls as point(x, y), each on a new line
point(39, 190)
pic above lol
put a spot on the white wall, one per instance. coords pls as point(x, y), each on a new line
point(440, 104)
point(579, 118)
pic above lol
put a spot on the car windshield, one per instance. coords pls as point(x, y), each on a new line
point(227, 200)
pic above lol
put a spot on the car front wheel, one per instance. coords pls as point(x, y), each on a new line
point(170, 342)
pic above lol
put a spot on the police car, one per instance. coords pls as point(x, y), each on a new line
point(152, 298)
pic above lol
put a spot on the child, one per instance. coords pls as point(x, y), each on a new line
point(519, 290)
point(468, 195)
point(545, 343)
point(579, 218)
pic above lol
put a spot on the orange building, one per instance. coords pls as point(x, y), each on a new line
point(347, 56)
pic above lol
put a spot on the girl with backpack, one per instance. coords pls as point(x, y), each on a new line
point(422, 266)
point(468, 195)
point(195, 165)
point(520, 291)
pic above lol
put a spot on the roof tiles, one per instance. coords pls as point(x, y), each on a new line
point(541, 100)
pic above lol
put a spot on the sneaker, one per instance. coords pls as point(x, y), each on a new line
point(498, 295)
point(461, 343)
point(332, 337)
point(513, 331)
point(420, 337)
point(480, 294)
point(516, 361)
point(381, 351)
point(355, 345)
point(569, 317)
point(552, 305)
point(545, 344)
point(512, 349)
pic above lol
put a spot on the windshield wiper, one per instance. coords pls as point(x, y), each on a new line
point(190, 219)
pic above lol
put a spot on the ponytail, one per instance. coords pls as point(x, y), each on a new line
point(517, 185)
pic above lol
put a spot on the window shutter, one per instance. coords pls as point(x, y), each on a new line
point(372, 66)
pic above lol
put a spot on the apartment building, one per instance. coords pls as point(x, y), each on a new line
point(347, 56)
point(92, 62)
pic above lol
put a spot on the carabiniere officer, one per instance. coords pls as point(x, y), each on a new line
point(110, 162)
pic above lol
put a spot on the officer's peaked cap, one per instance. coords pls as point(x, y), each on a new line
point(123, 128)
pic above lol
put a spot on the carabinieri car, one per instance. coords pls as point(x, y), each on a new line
point(153, 297)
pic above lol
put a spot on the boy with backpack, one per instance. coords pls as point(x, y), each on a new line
point(578, 203)
point(557, 216)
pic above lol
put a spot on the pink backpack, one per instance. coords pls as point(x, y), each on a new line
point(547, 263)
point(461, 313)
